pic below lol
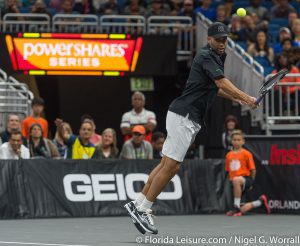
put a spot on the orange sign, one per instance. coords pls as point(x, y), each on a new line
point(68, 54)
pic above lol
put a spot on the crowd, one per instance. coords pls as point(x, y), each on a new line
point(29, 138)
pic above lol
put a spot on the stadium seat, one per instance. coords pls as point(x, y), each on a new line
point(279, 21)
point(262, 61)
point(242, 44)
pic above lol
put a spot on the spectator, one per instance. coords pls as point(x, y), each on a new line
point(11, 7)
point(59, 139)
point(14, 149)
point(175, 7)
point(108, 147)
point(134, 8)
point(248, 29)
point(79, 147)
point(13, 124)
point(228, 6)
point(137, 147)
point(109, 8)
point(281, 9)
point(206, 9)
point(39, 7)
point(158, 139)
point(260, 11)
point(157, 9)
point(36, 117)
point(98, 3)
point(296, 31)
point(40, 147)
point(287, 44)
point(96, 138)
point(221, 15)
point(284, 33)
point(292, 17)
point(231, 123)
point(84, 7)
point(235, 28)
point(260, 49)
point(188, 10)
point(138, 116)
point(67, 8)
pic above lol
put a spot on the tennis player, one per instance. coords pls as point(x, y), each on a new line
point(184, 119)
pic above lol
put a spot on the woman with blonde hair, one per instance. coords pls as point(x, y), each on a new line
point(59, 139)
point(107, 149)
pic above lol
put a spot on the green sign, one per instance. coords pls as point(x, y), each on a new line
point(142, 84)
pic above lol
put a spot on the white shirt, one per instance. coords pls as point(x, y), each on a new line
point(132, 118)
point(6, 152)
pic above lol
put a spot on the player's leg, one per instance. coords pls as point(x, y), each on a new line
point(181, 133)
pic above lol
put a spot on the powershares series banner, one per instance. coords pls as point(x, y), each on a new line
point(66, 188)
point(91, 54)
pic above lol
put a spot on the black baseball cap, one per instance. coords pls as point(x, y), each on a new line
point(217, 30)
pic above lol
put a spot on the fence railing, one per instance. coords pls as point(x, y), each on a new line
point(15, 97)
point(282, 105)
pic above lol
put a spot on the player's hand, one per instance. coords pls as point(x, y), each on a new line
point(252, 103)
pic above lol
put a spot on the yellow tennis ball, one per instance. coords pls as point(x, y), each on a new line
point(241, 12)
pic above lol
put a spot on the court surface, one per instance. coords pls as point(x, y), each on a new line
point(173, 230)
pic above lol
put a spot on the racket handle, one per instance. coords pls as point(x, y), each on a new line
point(259, 99)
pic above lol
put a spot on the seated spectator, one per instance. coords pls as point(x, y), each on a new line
point(96, 138)
point(40, 147)
point(158, 139)
point(175, 7)
point(36, 117)
point(39, 7)
point(235, 28)
point(260, 11)
point(59, 139)
point(98, 3)
point(284, 33)
point(294, 57)
point(14, 149)
point(296, 31)
point(109, 8)
point(286, 45)
point(84, 7)
point(292, 17)
point(221, 15)
point(67, 8)
point(134, 8)
point(282, 9)
point(231, 123)
point(13, 124)
point(138, 116)
point(11, 7)
point(137, 147)
point(156, 8)
point(79, 147)
point(261, 49)
point(188, 10)
point(248, 29)
point(108, 147)
point(206, 9)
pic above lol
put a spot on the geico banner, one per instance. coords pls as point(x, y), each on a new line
point(89, 54)
point(54, 188)
point(117, 187)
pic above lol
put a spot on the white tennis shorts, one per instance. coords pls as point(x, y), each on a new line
point(181, 134)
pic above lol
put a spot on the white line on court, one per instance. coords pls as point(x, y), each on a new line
point(42, 244)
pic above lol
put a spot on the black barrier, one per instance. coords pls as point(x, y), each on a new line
point(277, 160)
point(67, 188)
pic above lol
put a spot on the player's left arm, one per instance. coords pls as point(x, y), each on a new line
point(222, 93)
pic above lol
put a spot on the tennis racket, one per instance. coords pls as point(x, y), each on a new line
point(270, 83)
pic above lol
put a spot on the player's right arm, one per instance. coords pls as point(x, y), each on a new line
point(229, 88)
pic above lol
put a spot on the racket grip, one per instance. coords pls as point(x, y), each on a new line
point(259, 99)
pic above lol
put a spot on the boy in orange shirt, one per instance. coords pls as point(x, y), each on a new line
point(241, 168)
point(36, 118)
